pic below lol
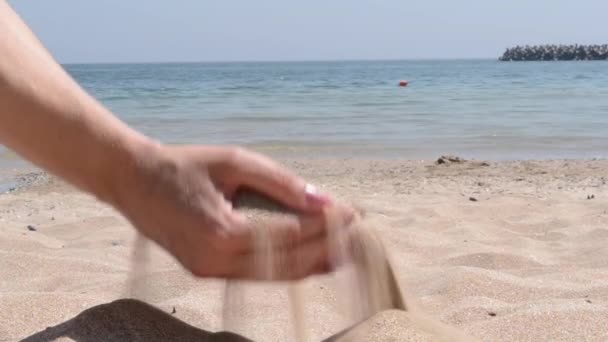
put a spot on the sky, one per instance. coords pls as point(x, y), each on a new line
point(78, 31)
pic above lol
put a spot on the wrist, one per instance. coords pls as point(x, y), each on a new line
point(124, 165)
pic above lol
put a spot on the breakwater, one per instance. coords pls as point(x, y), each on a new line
point(556, 53)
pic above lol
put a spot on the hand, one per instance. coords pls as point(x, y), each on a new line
point(180, 198)
point(176, 196)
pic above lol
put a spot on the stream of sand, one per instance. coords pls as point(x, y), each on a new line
point(366, 284)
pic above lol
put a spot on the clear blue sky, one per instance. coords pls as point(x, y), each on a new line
point(220, 30)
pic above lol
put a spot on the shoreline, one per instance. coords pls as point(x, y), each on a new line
point(14, 178)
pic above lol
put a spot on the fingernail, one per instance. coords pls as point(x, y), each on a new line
point(313, 197)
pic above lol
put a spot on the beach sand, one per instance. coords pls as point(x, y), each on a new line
point(505, 251)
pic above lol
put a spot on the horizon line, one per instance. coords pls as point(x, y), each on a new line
point(285, 61)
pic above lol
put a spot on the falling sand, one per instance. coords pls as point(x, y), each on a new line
point(365, 279)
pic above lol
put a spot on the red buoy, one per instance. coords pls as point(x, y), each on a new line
point(403, 83)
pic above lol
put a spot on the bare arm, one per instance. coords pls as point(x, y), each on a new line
point(176, 196)
point(49, 119)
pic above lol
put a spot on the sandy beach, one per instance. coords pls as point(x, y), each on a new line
point(505, 251)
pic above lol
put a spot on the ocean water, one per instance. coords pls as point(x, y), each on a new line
point(473, 108)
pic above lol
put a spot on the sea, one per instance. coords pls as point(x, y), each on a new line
point(481, 109)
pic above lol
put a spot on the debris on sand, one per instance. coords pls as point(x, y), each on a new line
point(472, 199)
point(450, 159)
point(31, 228)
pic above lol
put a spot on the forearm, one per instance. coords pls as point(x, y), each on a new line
point(47, 118)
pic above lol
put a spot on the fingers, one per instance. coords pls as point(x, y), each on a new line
point(279, 252)
point(285, 263)
point(281, 231)
point(266, 176)
point(249, 235)
point(289, 247)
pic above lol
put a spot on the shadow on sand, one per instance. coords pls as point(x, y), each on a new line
point(133, 321)
point(129, 320)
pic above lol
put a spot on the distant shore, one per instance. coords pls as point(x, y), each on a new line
point(556, 53)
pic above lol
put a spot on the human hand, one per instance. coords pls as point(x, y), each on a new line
point(180, 198)
point(176, 196)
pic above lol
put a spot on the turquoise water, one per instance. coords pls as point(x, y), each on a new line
point(477, 108)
